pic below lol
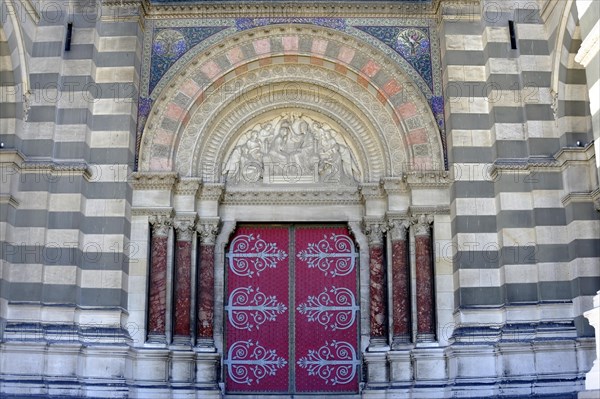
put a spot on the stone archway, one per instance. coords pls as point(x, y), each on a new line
point(362, 80)
point(210, 109)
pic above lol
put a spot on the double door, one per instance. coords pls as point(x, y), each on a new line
point(291, 310)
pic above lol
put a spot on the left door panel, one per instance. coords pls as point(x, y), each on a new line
point(257, 310)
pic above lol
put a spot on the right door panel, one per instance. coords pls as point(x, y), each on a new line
point(326, 310)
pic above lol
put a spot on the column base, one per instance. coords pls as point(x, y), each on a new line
point(182, 340)
point(157, 339)
point(400, 341)
point(205, 345)
point(425, 338)
point(378, 344)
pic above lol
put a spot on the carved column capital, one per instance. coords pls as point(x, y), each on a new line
point(208, 230)
point(184, 227)
point(160, 224)
point(422, 224)
point(397, 227)
point(374, 230)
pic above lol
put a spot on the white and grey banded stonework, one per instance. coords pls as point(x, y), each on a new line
point(90, 157)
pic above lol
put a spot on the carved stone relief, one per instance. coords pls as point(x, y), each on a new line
point(291, 148)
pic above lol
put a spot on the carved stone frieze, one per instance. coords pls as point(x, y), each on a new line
point(153, 180)
point(212, 191)
point(291, 148)
point(294, 196)
point(188, 186)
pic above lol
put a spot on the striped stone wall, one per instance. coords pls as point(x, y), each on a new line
point(511, 231)
point(67, 241)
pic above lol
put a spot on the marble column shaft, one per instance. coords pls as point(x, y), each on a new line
point(206, 281)
point(401, 307)
point(424, 276)
point(157, 297)
point(377, 277)
point(182, 293)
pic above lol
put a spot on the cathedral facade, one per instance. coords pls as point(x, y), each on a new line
point(379, 199)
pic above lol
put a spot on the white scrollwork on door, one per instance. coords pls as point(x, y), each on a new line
point(248, 362)
point(335, 362)
point(249, 254)
point(247, 306)
point(335, 255)
point(333, 308)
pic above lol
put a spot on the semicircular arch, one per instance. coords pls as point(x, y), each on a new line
point(359, 73)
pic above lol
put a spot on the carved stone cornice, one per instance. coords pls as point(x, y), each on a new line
point(208, 229)
point(431, 210)
point(397, 226)
point(396, 185)
point(184, 227)
point(212, 191)
point(429, 179)
point(422, 224)
point(188, 186)
point(149, 211)
point(153, 180)
point(563, 159)
point(374, 229)
point(589, 46)
point(291, 9)
point(371, 191)
point(294, 195)
point(161, 224)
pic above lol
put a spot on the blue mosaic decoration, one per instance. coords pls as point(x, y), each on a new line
point(275, 1)
point(412, 43)
point(249, 23)
point(170, 44)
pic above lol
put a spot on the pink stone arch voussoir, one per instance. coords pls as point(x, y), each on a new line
point(252, 50)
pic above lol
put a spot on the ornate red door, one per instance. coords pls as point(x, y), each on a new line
point(292, 310)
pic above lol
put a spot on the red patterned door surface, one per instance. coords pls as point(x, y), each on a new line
point(327, 309)
point(298, 337)
point(257, 311)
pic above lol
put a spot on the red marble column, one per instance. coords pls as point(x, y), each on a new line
point(425, 287)
point(401, 308)
point(157, 297)
point(377, 289)
point(182, 292)
point(206, 284)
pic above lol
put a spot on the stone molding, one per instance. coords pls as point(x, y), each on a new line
point(381, 9)
point(153, 180)
point(208, 229)
point(589, 46)
point(294, 195)
point(161, 224)
point(188, 186)
point(371, 191)
point(212, 191)
point(396, 185)
point(149, 211)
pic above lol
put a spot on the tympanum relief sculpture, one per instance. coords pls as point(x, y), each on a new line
point(291, 148)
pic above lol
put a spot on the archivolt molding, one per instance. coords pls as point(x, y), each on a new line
point(168, 140)
point(374, 154)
